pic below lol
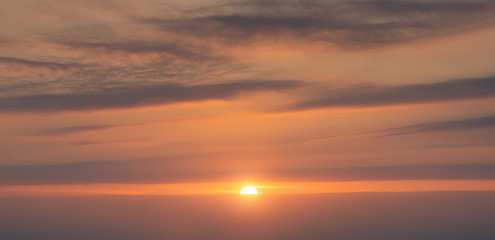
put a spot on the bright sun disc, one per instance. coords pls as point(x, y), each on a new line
point(249, 190)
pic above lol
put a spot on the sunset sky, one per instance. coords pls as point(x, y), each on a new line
point(267, 92)
point(143, 119)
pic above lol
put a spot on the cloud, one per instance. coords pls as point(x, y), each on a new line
point(152, 171)
point(348, 24)
point(456, 125)
point(62, 131)
point(86, 143)
point(169, 50)
point(104, 56)
point(89, 65)
point(127, 97)
point(439, 126)
point(398, 172)
point(75, 129)
point(369, 96)
point(143, 171)
point(38, 64)
point(401, 7)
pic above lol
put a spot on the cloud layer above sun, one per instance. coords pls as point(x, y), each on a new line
point(171, 91)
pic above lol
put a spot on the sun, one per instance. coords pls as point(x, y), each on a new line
point(249, 190)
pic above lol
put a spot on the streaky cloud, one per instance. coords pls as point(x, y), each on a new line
point(348, 24)
point(478, 171)
point(127, 97)
point(61, 131)
point(426, 6)
point(39, 64)
point(438, 126)
point(454, 125)
point(370, 96)
point(153, 171)
point(172, 50)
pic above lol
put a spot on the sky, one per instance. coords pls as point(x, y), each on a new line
point(203, 97)
point(143, 119)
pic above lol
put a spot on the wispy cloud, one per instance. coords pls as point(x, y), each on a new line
point(438, 126)
point(368, 96)
point(137, 96)
point(171, 51)
point(348, 24)
point(75, 129)
point(88, 143)
point(190, 46)
point(146, 171)
point(394, 172)
point(452, 7)
point(10, 61)
point(455, 125)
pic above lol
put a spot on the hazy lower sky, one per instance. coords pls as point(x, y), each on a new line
point(258, 91)
point(350, 216)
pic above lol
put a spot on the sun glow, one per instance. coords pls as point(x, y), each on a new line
point(249, 190)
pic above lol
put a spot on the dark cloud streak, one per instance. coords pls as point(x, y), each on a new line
point(150, 172)
point(427, 6)
point(369, 96)
point(348, 24)
point(456, 125)
point(39, 64)
point(127, 97)
point(439, 126)
point(75, 129)
point(171, 50)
